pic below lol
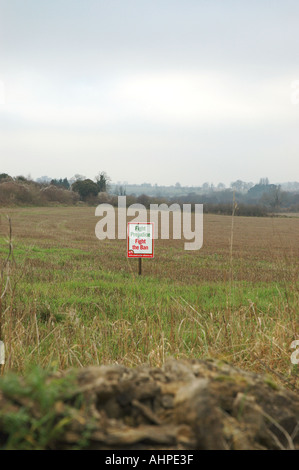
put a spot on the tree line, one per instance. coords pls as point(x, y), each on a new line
point(253, 200)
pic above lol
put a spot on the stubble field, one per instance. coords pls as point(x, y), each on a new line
point(70, 300)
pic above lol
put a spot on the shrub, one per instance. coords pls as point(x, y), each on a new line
point(56, 194)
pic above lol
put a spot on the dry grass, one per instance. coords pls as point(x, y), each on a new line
point(73, 300)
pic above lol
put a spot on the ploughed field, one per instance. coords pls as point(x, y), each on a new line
point(73, 300)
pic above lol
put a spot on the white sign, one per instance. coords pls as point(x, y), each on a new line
point(2, 353)
point(140, 240)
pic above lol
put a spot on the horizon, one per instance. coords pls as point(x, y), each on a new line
point(212, 184)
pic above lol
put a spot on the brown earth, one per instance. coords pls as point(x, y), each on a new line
point(184, 405)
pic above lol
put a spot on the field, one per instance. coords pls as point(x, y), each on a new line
point(70, 300)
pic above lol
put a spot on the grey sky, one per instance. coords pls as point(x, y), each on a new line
point(160, 91)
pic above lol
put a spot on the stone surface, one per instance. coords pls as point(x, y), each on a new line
point(185, 405)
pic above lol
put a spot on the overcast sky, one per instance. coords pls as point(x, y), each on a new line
point(159, 91)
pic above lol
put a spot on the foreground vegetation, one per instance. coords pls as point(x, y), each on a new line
point(184, 405)
point(70, 300)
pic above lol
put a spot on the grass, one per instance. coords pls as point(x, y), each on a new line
point(74, 301)
point(35, 425)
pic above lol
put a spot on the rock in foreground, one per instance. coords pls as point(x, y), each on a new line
point(185, 405)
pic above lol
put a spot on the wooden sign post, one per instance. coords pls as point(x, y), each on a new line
point(140, 241)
